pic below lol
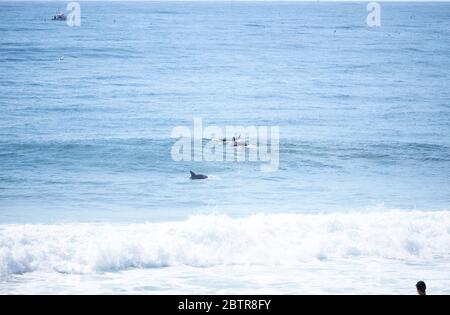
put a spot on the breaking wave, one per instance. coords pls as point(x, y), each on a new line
point(211, 240)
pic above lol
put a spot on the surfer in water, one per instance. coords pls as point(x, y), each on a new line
point(225, 140)
point(235, 141)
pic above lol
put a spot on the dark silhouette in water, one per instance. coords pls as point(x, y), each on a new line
point(421, 288)
point(59, 17)
point(198, 176)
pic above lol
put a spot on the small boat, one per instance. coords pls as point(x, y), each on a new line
point(59, 17)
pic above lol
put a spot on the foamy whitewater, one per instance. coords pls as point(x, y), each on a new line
point(91, 200)
point(277, 253)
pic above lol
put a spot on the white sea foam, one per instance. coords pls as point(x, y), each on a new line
point(219, 240)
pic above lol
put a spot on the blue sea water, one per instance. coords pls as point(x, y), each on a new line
point(85, 147)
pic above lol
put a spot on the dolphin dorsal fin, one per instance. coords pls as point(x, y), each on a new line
point(192, 173)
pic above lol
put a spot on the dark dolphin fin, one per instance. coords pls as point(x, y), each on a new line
point(192, 173)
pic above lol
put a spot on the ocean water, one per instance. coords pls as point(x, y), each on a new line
point(91, 200)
